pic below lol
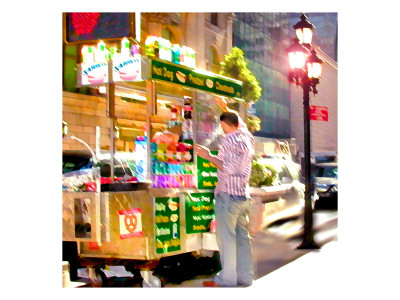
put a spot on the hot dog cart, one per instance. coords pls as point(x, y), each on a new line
point(166, 206)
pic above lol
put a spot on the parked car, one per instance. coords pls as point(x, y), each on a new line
point(325, 178)
point(283, 199)
point(76, 160)
point(79, 172)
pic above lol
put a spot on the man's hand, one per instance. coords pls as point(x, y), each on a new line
point(202, 151)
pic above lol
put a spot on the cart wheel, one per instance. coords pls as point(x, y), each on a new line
point(97, 277)
point(149, 280)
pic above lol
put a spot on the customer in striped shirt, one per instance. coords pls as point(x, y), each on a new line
point(232, 201)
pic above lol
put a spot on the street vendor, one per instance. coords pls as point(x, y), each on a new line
point(232, 200)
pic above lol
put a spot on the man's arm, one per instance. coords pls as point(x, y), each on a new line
point(204, 152)
point(218, 163)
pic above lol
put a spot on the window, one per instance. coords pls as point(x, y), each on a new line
point(214, 19)
point(212, 57)
point(168, 35)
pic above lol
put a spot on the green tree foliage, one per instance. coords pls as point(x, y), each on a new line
point(261, 173)
point(253, 123)
point(235, 66)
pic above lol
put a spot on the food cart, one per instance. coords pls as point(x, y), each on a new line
point(167, 207)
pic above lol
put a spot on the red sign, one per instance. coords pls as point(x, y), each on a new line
point(94, 246)
point(318, 113)
point(130, 223)
point(84, 22)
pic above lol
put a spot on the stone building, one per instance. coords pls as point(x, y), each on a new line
point(209, 34)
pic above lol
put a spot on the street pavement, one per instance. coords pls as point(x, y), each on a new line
point(276, 247)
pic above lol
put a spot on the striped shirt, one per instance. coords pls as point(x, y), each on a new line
point(236, 152)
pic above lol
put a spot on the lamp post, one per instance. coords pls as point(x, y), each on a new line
point(305, 70)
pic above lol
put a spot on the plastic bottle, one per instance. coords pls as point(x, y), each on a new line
point(141, 153)
point(187, 123)
point(176, 50)
point(111, 53)
point(134, 50)
point(87, 55)
point(125, 48)
point(174, 111)
point(192, 60)
point(165, 49)
point(115, 55)
point(101, 52)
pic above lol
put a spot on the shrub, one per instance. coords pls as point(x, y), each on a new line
point(261, 174)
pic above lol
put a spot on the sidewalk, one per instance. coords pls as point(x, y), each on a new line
point(276, 265)
point(274, 255)
point(281, 273)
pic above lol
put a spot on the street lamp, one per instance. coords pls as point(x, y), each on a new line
point(304, 30)
point(305, 70)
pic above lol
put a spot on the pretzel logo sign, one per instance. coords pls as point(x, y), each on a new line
point(130, 222)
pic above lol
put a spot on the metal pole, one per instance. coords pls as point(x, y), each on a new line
point(151, 98)
point(110, 90)
point(308, 235)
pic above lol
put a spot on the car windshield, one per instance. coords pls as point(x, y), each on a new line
point(331, 172)
point(120, 169)
point(324, 159)
point(74, 163)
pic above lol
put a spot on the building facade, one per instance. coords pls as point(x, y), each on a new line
point(264, 37)
point(209, 34)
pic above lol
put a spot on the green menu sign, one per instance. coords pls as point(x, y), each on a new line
point(199, 211)
point(167, 224)
point(209, 82)
point(206, 173)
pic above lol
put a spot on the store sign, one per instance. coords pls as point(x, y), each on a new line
point(96, 73)
point(133, 68)
point(92, 26)
point(127, 69)
point(199, 211)
point(167, 224)
point(191, 78)
point(206, 173)
point(130, 223)
point(318, 113)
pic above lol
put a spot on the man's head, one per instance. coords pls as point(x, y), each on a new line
point(229, 122)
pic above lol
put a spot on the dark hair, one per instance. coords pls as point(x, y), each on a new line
point(230, 118)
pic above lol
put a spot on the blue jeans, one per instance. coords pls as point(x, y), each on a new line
point(233, 240)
